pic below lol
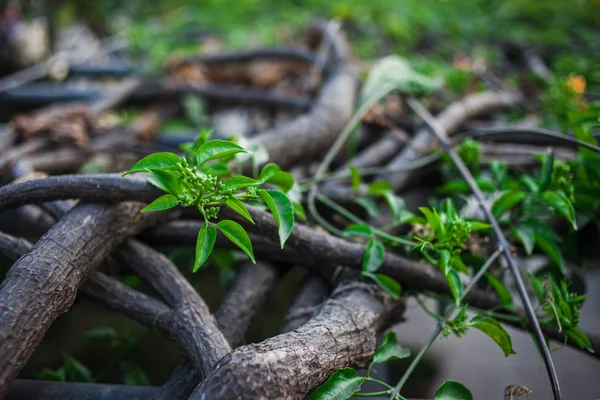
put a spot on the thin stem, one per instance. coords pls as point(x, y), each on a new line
point(536, 131)
point(424, 307)
point(352, 217)
point(382, 383)
point(373, 394)
point(441, 324)
point(335, 148)
point(368, 171)
point(440, 132)
point(355, 120)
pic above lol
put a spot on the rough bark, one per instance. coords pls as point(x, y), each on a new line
point(190, 322)
point(249, 291)
point(312, 293)
point(43, 283)
point(342, 334)
point(242, 303)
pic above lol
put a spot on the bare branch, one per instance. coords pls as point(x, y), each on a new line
point(342, 334)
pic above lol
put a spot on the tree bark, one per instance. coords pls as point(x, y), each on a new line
point(43, 283)
point(290, 365)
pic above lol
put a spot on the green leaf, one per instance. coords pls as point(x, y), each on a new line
point(561, 203)
point(547, 168)
point(456, 286)
point(361, 230)
point(204, 245)
point(238, 236)
point(498, 171)
point(153, 162)
point(390, 350)
point(388, 284)
point(379, 188)
point(134, 375)
point(166, 181)
point(461, 186)
point(239, 182)
point(50, 375)
point(218, 169)
point(538, 287)
point(479, 226)
point(453, 390)
point(580, 338)
point(164, 202)
point(340, 386)
point(239, 207)
point(356, 178)
point(194, 109)
point(397, 73)
point(530, 183)
point(268, 171)
point(495, 331)
point(104, 334)
point(501, 291)
point(76, 371)
point(507, 201)
point(217, 149)
point(395, 203)
point(373, 258)
point(299, 211)
point(369, 205)
point(434, 220)
point(283, 180)
point(282, 209)
point(550, 248)
point(525, 233)
point(445, 261)
point(272, 174)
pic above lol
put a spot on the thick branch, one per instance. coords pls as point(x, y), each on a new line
point(43, 283)
point(342, 334)
point(250, 290)
point(243, 301)
point(310, 296)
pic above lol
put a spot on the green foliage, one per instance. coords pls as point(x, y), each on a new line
point(71, 371)
point(560, 308)
point(341, 385)
point(453, 390)
point(390, 349)
point(397, 74)
point(495, 331)
point(191, 180)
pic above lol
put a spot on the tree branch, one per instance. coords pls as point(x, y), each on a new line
point(43, 283)
point(342, 334)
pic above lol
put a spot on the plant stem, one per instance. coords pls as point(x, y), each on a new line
point(433, 315)
point(441, 134)
point(352, 217)
point(373, 394)
point(441, 324)
point(335, 148)
point(382, 383)
point(411, 166)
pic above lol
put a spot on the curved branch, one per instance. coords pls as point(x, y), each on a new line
point(342, 334)
point(243, 301)
point(250, 290)
point(310, 296)
point(43, 283)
